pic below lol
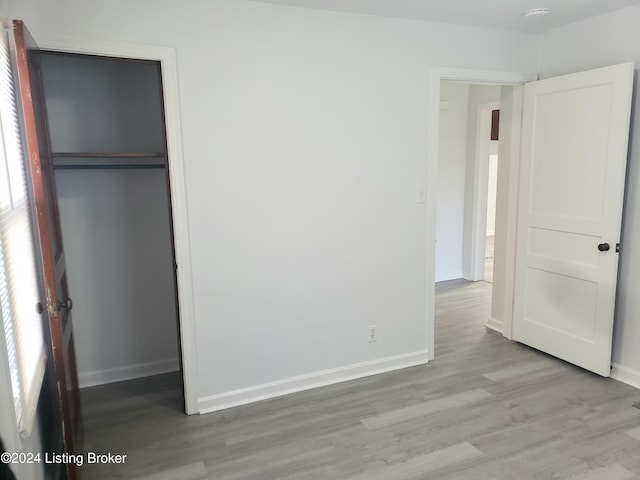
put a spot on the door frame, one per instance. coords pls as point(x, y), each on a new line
point(483, 77)
point(166, 56)
point(480, 190)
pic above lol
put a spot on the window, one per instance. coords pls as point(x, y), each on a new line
point(18, 276)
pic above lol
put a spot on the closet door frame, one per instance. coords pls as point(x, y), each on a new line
point(166, 56)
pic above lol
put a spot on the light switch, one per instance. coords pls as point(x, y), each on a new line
point(421, 194)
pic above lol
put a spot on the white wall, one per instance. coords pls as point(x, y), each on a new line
point(451, 180)
point(116, 234)
point(305, 134)
point(598, 42)
point(102, 105)
point(8, 427)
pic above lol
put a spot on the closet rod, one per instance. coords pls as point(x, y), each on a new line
point(129, 166)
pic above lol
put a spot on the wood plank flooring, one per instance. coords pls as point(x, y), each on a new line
point(486, 408)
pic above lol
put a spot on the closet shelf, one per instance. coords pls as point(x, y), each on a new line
point(106, 166)
point(108, 160)
point(108, 154)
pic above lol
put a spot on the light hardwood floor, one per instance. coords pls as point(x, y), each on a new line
point(486, 408)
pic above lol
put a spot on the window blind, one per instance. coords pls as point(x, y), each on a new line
point(18, 276)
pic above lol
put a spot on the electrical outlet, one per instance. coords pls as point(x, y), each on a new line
point(421, 194)
point(373, 333)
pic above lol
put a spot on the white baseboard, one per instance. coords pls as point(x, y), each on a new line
point(450, 275)
point(111, 375)
point(322, 378)
point(626, 375)
point(467, 275)
point(494, 324)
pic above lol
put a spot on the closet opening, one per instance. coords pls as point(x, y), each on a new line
point(108, 144)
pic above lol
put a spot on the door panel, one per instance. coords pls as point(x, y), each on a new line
point(572, 176)
point(569, 149)
point(52, 259)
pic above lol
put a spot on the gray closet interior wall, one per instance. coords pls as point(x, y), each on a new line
point(115, 221)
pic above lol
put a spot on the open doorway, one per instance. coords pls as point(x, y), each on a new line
point(167, 60)
point(472, 260)
point(107, 136)
point(490, 156)
point(466, 199)
point(467, 181)
point(46, 163)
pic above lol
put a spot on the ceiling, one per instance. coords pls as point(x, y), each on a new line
point(487, 13)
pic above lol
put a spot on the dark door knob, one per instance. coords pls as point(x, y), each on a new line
point(604, 247)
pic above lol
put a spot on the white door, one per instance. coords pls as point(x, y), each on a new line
point(575, 131)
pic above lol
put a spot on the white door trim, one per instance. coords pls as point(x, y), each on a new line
point(486, 77)
point(507, 213)
point(480, 189)
point(167, 58)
